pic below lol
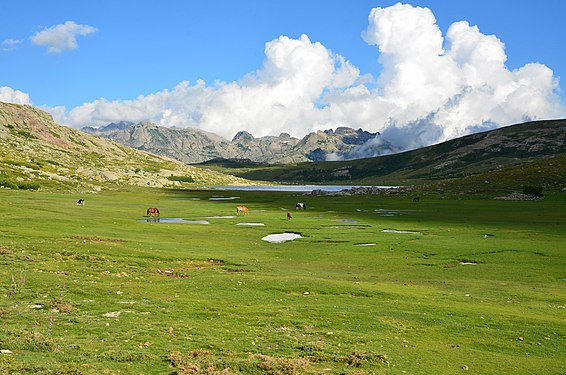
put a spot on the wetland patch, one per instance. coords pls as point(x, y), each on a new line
point(173, 220)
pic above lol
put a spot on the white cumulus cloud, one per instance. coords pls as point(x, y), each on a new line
point(9, 95)
point(61, 37)
point(432, 87)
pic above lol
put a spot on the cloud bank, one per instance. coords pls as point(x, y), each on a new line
point(432, 87)
point(61, 37)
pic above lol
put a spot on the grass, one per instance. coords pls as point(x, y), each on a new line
point(100, 292)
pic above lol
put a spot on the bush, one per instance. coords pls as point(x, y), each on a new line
point(533, 190)
point(189, 179)
point(28, 185)
point(8, 184)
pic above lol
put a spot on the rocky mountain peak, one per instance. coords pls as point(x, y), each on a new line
point(243, 136)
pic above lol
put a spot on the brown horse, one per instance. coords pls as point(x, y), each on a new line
point(152, 211)
point(289, 216)
point(242, 210)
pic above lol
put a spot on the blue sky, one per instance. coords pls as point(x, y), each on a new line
point(147, 48)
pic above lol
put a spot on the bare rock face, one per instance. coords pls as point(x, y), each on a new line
point(192, 145)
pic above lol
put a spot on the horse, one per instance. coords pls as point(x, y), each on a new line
point(416, 199)
point(81, 202)
point(301, 206)
point(152, 211)
point(289, 216)
point(242, 210)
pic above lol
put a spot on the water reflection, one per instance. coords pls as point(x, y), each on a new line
point(174, 220)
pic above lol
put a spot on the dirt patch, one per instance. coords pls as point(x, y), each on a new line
point(357, 359)
point(173, 273)
point(275, 365)
point(5, 250)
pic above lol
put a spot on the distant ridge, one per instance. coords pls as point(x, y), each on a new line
point(192, 145)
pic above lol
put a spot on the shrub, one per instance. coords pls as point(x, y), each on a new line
point(181, 178)
point(8, 184)
point(18, 185)
point(533, 190)
point(28, 185)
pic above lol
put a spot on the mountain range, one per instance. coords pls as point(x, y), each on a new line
point(532, 153)
point(35, 152)
point(191, 145)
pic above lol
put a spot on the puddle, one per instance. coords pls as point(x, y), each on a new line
point(174, 220)
point(347, 221)
point(251, 224)
point(222, 198)
point(467, 263)
point(345, 226)
point(400, 231)
point(281, 237)
point(220, 217)
point(365, 244)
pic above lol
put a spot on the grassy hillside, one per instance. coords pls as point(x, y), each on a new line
point(468, 284)
point(518, 154)
point(36, 153)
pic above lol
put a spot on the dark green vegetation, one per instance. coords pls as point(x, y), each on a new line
point(531, 153)
point(89, 289)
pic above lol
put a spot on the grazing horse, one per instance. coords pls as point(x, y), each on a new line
point(81, 202)
point(416, 199)
point(242, 210)
point(301, 206)
point(152, 211)
point(289, 216)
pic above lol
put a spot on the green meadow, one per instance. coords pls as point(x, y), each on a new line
point(456, 285)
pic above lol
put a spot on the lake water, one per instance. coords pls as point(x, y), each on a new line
point(297, 188)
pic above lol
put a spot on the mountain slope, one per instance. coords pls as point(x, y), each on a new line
point(195, 146)
point(37, 151)
point(487, 152)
